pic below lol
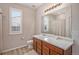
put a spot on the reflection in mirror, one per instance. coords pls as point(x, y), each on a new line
point(57, 23)
point(45, 24)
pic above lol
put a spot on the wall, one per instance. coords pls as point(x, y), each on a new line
point(1, 32)
point(75, 28)
point(10, 40)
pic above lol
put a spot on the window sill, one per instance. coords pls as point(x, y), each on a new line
point(15, 33)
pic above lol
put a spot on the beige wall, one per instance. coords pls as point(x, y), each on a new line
point(75, 28)
point(1, 33)
point(10, 40)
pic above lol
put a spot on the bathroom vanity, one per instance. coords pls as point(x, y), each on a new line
point(46, 45)
point(55, 37)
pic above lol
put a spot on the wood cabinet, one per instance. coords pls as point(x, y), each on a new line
point(39, 44)
point(39, 51)
point(34, 44)
point(39, 48)
point(55, 50)
point(45, 48)
point(52, 52)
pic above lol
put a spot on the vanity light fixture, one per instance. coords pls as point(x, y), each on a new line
point(52, 7)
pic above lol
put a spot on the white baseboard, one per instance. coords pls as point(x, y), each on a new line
point(13, 48)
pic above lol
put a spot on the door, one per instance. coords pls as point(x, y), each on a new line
point(0, 32)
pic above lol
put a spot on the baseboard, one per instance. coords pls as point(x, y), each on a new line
point(13, 48)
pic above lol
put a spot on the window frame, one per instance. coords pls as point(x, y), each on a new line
point(10, 28)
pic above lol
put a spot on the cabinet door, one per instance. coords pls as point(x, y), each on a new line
point(34, 44)
point(39, 43)
point(68, 51)
point(55, 49)
point(45, 49)
point(39, 51)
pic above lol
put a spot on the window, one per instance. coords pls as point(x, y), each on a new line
point(15, 21)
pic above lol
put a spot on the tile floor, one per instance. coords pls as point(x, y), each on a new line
point(21, 51)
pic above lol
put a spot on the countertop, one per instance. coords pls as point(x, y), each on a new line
point(55, 40)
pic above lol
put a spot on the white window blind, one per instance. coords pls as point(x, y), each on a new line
point(15, 21)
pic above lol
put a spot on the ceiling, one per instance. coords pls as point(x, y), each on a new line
point(33, 5)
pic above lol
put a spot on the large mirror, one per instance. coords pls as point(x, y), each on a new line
point(57, 22)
